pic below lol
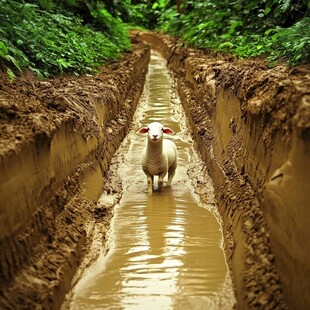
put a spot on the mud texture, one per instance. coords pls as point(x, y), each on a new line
point(252, 127)
point(57, 138)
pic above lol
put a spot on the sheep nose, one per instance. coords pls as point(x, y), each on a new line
point(155, 136)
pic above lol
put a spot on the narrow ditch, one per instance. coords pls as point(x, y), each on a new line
point(166, 249)
point(250, 125)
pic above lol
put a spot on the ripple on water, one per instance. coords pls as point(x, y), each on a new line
point(165, 250)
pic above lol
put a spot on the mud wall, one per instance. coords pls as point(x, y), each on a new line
point(252, 127)
point(51, 176)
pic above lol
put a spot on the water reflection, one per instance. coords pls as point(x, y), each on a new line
point(160, 214)
point(165, 248)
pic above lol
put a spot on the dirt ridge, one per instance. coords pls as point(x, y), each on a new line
point(66, 130)
point(243, 116)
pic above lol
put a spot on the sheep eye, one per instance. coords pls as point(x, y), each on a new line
point(162, 129)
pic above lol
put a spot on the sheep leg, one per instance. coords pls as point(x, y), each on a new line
point(171, 174)
point(150, 181)
point(161, 181)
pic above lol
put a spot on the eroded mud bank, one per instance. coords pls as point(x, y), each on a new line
point(57, 140)
point(252, 127)
point(164, 251)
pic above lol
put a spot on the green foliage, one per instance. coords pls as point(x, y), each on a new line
point(143, 13)
point(279, 28)
point(112, 27)
point(53, 43)
point(293, 43)
point(53, 37)
point(160, 8)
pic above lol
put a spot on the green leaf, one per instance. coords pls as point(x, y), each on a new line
point(3, 49)
point(226, 44)
point(10, 74)
point(155, 5)
point(267, 11)
point(14, 61)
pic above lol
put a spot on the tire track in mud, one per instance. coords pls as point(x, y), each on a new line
point(164, 249)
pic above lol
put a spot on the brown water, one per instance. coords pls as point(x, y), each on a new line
point(165, 251)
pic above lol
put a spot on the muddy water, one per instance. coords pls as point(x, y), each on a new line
point(165, 251)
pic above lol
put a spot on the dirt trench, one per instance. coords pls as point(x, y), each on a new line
point(57, 139)
point(163, 251)
point(251, 125)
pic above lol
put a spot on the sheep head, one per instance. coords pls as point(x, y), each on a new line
point(155, 131)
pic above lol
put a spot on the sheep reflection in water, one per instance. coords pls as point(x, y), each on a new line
point(164, 234)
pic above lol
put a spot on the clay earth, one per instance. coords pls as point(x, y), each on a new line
point(251, 124)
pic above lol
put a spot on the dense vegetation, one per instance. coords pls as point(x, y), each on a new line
point(53, 36)
point(53, 39)
point(275, 28)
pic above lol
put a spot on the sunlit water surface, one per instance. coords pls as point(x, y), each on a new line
point(166, 249)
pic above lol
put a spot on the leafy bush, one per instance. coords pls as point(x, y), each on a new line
point(53, 43)
point(112, 27)
point(279, 28)
point(54, 37)
point(292, 43)
point(144, 13)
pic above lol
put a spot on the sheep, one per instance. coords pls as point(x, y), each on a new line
point(159, 156)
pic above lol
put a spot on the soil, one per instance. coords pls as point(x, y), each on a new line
point(251, 124)
point(248, 121)
point(57, 138)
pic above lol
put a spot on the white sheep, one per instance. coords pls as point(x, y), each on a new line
point(159, 156)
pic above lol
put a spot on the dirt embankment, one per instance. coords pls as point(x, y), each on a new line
point(57, 138)
point(252, 127)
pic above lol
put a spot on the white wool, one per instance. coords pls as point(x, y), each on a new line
point(159, 156)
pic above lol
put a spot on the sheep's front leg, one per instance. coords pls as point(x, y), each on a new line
point(161, 181)
point(171, 174)
point(150, 181)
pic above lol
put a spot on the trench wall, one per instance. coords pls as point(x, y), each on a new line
point(48, 189)
point(253, 134)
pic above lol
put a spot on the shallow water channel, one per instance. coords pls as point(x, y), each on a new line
point(165, 250)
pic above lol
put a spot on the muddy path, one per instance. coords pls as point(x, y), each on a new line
point(57, 140)
point(163, 251)
point(250, 125)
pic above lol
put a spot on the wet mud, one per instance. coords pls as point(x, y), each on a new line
point(164, 250)
point(57, 139)
point(251, 124)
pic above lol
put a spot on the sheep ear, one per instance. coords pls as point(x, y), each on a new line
point(168, 131)
point(143, 130)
